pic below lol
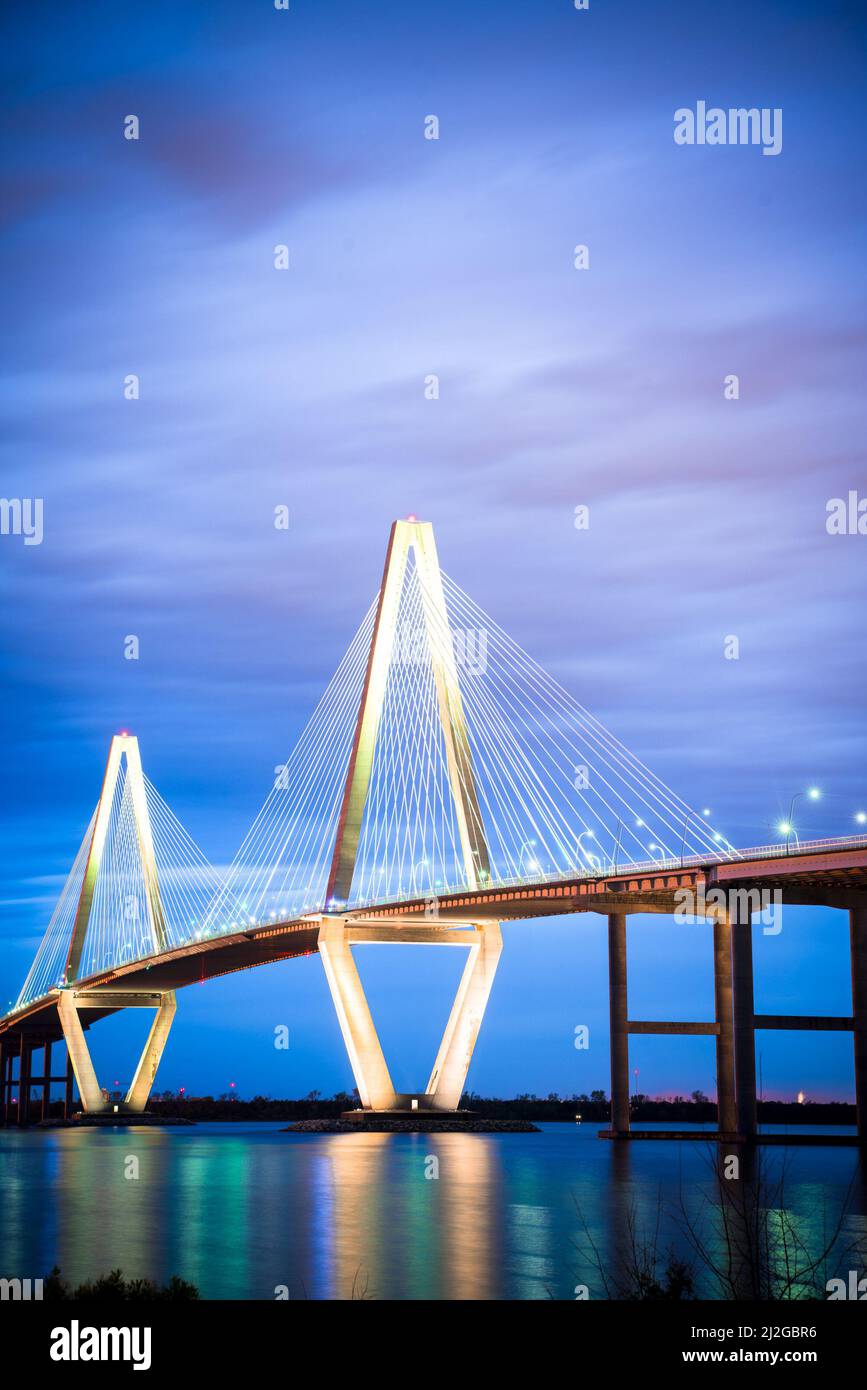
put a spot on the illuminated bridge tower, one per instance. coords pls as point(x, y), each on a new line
point(71, 1001)
point(338, 934)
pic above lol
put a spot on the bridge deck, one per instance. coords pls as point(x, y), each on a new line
point(827, 875)
point(186, 965)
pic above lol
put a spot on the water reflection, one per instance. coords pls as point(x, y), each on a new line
point(247, 1211)
point(417, 1219)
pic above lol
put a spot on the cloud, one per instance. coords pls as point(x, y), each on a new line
point(557, 388)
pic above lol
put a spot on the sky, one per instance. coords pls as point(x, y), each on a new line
point(558, 388)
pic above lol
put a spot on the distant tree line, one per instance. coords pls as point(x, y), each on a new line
point(696, 1108)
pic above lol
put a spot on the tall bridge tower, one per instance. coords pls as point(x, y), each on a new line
point(338, 934)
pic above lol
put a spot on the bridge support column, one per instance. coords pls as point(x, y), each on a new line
point(727, 1114)
point(139, 1091)
point(372, 1077)
point(446, 1084)
point(24, 1067)
point(744, 1017)
point(619, 1015)
point(90, 1093)
point(68, 1094)
point(366, 1057)
point(46, 1080)
point(10, 1068)
point(858, 948)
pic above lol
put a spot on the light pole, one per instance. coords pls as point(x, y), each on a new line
point(683, 839)
point(592, 859)
point(727, 846)
point(533, 865)
point(787, 827)
point(617, 843)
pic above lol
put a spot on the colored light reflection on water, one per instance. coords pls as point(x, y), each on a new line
point(245, 1210)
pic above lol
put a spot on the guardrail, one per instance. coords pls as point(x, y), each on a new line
point(613, 869)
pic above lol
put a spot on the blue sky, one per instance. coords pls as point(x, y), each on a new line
point(557, 388)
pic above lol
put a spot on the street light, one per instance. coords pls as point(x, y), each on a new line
point(787, 827)
point(861, 817)
point(533, 864)
point(592, 859)
point(617, 843)
point(683, 836)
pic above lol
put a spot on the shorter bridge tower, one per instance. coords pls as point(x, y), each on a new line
point(72, 1002)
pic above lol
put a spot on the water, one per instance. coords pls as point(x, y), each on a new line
point(243, 1209)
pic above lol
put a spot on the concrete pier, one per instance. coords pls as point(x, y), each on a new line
point(619, 1014)
point(725, 1047)
point(46, 1080)
point(744, 1018)
point(24, 1081)
point(70, 1084)
point(858, 949)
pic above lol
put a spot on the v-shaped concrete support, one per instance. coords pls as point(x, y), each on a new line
point(369, 1067)
point(93, 1098)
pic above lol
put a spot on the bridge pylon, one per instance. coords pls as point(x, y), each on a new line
point(124, 749)
point(338, 934)
point(71, 1002)
point(416, 538)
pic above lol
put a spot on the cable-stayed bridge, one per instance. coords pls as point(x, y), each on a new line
point(443, 784)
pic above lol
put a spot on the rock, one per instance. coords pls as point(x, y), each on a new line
point(420, 1124)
